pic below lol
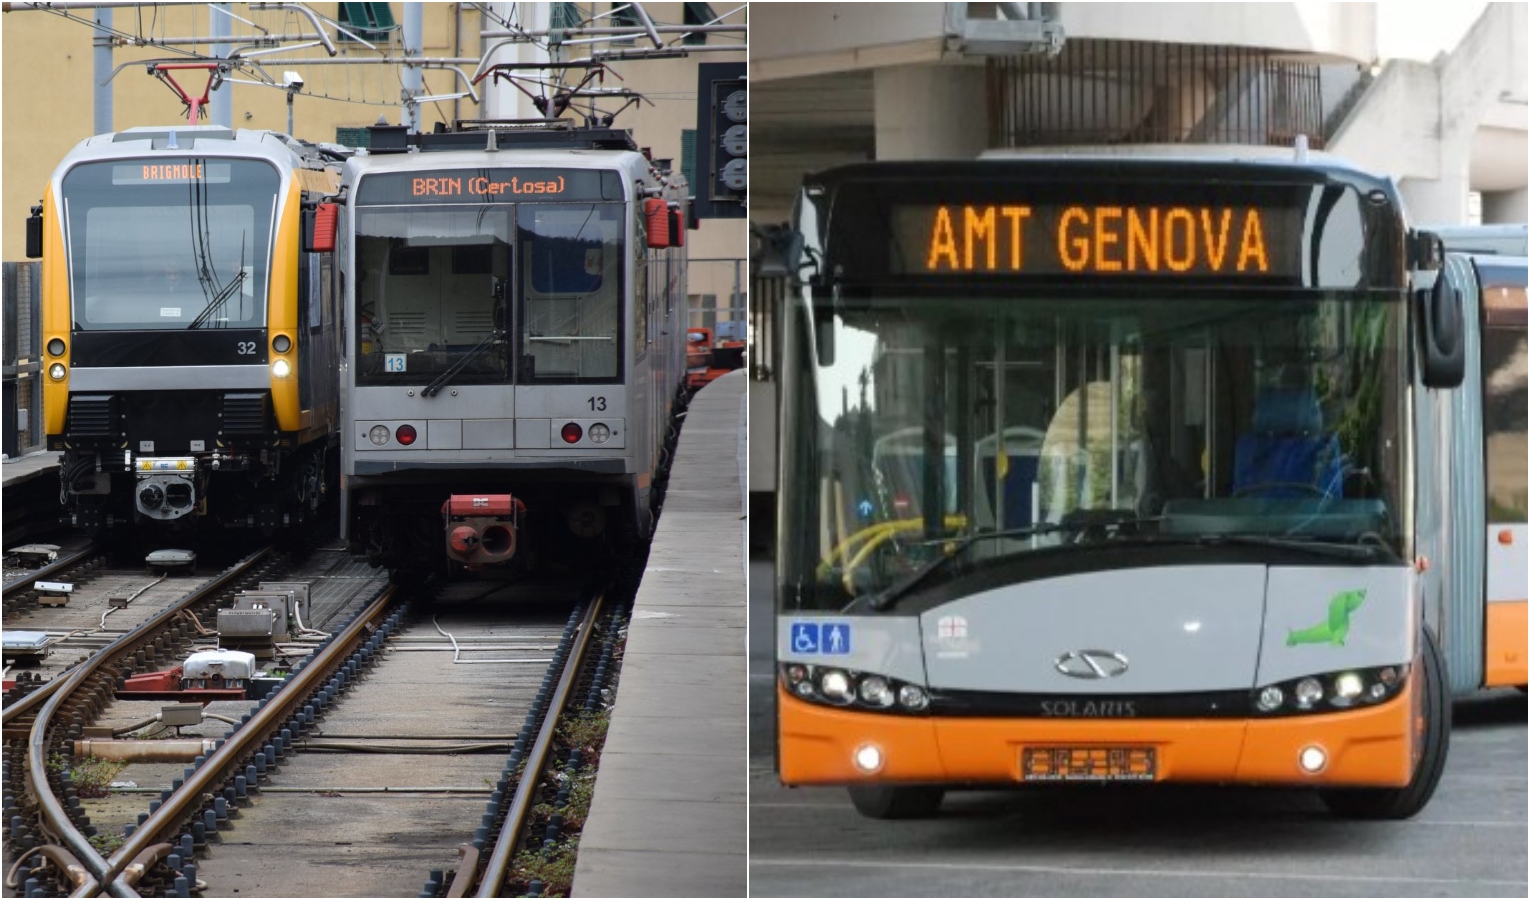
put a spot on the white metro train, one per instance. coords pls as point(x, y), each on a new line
point(515, 311)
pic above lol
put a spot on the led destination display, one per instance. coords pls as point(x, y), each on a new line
point(931, 230)
point(464, 185)
point(1097, 239)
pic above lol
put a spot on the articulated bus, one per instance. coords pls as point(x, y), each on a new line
point(1141, 470)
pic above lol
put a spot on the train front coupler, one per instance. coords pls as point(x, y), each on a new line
point(482, 529)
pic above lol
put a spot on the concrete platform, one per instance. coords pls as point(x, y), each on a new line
point(668, 817)
point(38, 464)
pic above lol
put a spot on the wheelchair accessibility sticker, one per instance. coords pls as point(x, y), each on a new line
point(830, 638)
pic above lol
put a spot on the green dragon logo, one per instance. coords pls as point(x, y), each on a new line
point(1336, 628)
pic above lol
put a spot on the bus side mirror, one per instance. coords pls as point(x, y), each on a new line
point(34, 233)
point(824, 335)
point(1442, 333)
point(319, 226)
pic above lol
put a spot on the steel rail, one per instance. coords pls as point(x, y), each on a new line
point(53, 568)
point(125, 642)
point(220, 765)
point(530, 783)
point(50, 812)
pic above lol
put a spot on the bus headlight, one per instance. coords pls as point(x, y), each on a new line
point(1347, 689)
point(856, 690)
point(874, 691)
point(837, 686)
point(281, 368)
point(57, 371)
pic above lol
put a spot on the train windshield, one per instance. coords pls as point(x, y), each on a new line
point(488, 291)
point(169, 243)
point(571, 288)
point(432, 294)
point(997, 428)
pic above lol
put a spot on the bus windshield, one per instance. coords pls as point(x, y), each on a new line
point(168, 244)
point(1066, 423)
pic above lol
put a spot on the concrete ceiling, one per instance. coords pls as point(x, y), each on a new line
point(797, 125)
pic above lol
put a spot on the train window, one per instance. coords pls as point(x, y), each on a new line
point(570, 282)
point(639, 289)
point(315, 293)
point(1504, 418)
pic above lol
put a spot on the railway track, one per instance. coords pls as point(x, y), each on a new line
point(379, 818)
point(391, 780)
point(44, 815)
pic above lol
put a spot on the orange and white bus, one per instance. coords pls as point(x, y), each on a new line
point(1110, 469)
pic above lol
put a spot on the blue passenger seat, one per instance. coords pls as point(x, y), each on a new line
point(1288, 454)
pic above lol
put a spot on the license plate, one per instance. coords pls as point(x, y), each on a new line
point(1088, 764)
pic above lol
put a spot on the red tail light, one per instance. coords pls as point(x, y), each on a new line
point(572, 433)
point(405, 434)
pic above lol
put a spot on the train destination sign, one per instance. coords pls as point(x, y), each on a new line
point(177, 172)
point(465, 185)
point(1097, 239)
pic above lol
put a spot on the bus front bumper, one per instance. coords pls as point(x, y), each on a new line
point(1371, 747)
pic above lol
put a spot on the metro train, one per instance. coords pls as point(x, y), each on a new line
point(515, 301)
point(190, 329)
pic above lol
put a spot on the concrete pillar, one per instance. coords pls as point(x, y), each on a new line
point(930, 112)
point(414, 42)
point(1505, 207)
point(502, 100)
point(1442, 200)
point(103, 71)
point(222, 99)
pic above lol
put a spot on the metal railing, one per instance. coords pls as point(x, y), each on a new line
point(1138, 92)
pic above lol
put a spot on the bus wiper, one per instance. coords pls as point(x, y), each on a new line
point(888, 598)
point(1306, 545)
point(445, 378)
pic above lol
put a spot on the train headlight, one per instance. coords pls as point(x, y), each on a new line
point(57, 371)
point(281, 344)
point(406, 434)
point(56, 347)
point(281, 368)
point(1308, 691)
point(572, 433)
point(1270, 698)
point(599, 433)
point(378, 435)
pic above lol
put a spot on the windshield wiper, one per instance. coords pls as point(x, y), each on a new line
point(219, 300)
point(893, 594)
point(445, 378)
point(1306, 545)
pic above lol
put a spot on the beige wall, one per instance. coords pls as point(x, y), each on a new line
point(47, 66)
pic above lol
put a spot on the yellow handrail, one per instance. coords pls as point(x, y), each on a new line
point(874, 536)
